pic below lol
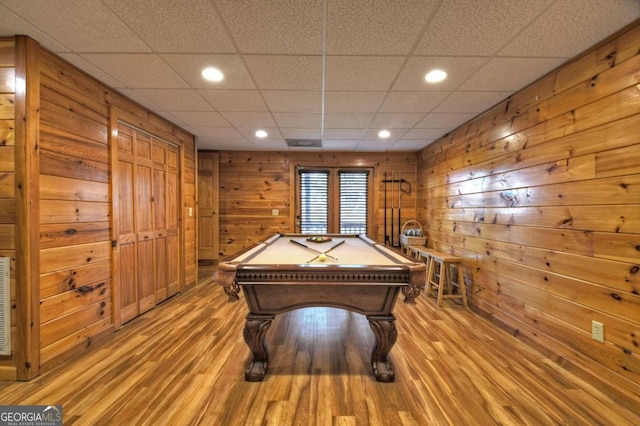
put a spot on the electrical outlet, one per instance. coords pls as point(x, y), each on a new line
point(274, 212)
point(597, 331)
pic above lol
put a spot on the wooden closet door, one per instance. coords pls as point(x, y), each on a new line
point(144, 222)
point(208, 205)
point(172, 222)
point(126, 239)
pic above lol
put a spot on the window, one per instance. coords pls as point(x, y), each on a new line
point(332, 200)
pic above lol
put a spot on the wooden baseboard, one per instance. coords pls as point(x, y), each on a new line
point(8, 373)
point(622, 396)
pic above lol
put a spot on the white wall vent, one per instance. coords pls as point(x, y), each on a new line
point(5, 307)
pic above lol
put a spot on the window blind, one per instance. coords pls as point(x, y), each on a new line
point(314, 202)
point(354, 192)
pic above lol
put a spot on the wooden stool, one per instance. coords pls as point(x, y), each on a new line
point(439, 276)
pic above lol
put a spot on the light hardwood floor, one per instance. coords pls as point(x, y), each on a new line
point(183, 363)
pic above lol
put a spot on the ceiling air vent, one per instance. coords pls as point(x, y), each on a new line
point(304, 143)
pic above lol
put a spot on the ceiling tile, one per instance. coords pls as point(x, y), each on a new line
point(175, 99)
point(374, 145)
point(137, 71)
point(417, 134)
point(190, 67)
point(509, 74)
point(446, 121)
point(250, 133)
point(571, 26)
point(11, 24)
point(205, 143)
point(80, 25)
point(233, 144)
point(471, 102)
point(376, 28)
point(301, 133)
point(218, 132)
point(395, 121)
point(285, 27)
point(353, 101)
point(412, 101)
point(186, 25)
point(234, 100)
point(270, 145)
point(458, 70)
point(372, 133)
point(298, 120)
point(293, 101)
point(206, 119)
point(365, 73)
point(481, 29)
point(343, 134)
point(346, 121)
point(286, 72)
point(250, 119)
point(339, 145)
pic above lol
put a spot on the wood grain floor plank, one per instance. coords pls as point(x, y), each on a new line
point(183, 364)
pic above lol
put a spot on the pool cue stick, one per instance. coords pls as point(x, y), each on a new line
point(392, 208)
point(399, 208)
point(325, 253)
point(386, 236)
point(311, 248)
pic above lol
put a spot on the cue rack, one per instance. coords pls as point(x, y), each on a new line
point(394, 187)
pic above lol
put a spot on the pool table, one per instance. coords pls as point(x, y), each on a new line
point(287, 272)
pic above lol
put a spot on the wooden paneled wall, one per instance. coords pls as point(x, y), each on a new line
point(541, 197)
point(7, 182)
point(254, 183)
point(68, 284)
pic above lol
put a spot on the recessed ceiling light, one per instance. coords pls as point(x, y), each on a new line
point(261, 134)
point(212, 74)
point(435, 76)
point(384, 134)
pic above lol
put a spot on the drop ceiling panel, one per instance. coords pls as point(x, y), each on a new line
point(409, 145)
point(353, 101)
point(293, 101)
point(79, 25)
point(509, 74)
point(298, 120)
point(234, 100)
point(376, 27)
point(570, 26)
point(364, 73)
point(281, 27)
point(346, 121)
point(395, 121)
point(301, 133)
point(217, 132)
point(458, 69)
point(480, 28)
point(137, 70)
point(190, 67)
point(286, 72)
point(271, 54)
point(11, 24)
point(249, 119)
point(203, 119)
point(187, 25)
point(412, 101)
point(176, 99)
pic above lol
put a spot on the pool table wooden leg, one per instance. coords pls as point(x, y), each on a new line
point(255, 330)
point(384, 328)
